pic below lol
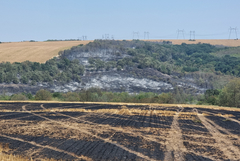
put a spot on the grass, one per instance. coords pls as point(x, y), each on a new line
point(34, 51)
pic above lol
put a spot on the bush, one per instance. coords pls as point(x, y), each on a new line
point(230, 95)
point(57, 95)
point(18, 97)
point(71, 96)
point(165, 98)
point(43, 95)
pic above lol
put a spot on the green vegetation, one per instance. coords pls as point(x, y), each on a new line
point(233, 51)
point(43, 95)
point(165, 57)
point(229, 96)
point(98, 95)
point(62, 70)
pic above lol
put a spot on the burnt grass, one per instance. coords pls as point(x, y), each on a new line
point(107, 136)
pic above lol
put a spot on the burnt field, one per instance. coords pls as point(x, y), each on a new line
point(115, 132)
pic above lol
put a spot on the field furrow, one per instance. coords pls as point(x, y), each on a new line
point(115, 132)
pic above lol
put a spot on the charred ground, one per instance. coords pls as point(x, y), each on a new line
point(114, 132)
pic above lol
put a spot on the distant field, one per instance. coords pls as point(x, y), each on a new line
point(34, 51)
point(43, 51)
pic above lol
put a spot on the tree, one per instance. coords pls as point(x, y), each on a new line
point(43, 95)
point(24, 79)
point(2, 77)
point(71, 96)
point(18, 97)
point(230, 95)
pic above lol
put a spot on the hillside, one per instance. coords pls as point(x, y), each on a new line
point(34, 51)
point(125, 66)
point(43, 51)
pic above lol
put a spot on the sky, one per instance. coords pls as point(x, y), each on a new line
point(40, 20)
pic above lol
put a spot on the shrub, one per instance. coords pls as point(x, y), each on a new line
point(230, 95)
point(43, 95)
point(71, 96)
point(18, 97)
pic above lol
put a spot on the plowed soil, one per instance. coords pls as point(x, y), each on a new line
point(115, 132)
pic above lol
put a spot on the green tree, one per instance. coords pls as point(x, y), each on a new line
point(24, 79)
point(43, 95)
point(2, 77)
point(71, 96)
point(18, 97)
point(230, 95)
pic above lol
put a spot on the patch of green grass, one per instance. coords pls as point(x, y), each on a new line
point(197, 121)
point(226, 119)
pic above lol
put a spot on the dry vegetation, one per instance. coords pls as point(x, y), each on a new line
point(34, 51)
point(4, 156)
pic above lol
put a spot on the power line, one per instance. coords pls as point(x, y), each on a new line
point(84, 37)
point(106, 36)
point(230, 32)
point(146, 35)
point(135, 35)
point(180, 31)
point(192, 34)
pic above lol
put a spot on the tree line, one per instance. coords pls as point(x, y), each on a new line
point(229, 96)
point(62, 70)
point(99, 95)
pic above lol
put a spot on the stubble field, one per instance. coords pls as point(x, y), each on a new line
point(34, 51)
point(78, 131)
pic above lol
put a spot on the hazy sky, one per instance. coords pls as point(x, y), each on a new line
point(71, 19)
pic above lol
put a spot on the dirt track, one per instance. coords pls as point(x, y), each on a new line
point(115, 132)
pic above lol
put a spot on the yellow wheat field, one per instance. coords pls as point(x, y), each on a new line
point(34, 51)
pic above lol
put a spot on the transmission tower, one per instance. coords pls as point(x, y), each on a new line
point(192, 34)
point(180, 31)
point(135, 35)
point(106, 36)
point(146, 35)
point(112, 37)
point(230, 32)
point(84, 37)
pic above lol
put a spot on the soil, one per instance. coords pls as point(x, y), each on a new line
point(114, 132)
